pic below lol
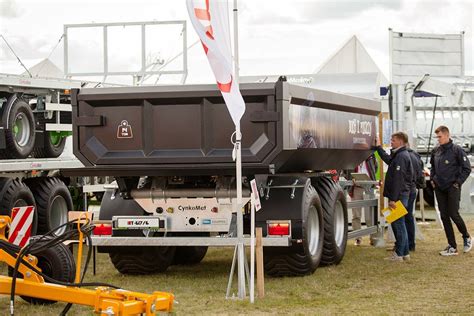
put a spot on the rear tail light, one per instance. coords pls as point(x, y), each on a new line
point(103, 229)
point(278, 228)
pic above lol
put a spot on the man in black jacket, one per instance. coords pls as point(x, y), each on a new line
point(418, 174)
point(397, 187)
point(450, 167)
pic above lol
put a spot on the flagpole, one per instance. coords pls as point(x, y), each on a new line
point(236, 43)
point(240, 221)
point(238, 166)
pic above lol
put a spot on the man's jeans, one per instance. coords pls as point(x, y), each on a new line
point(410, 221)
point(400, 231)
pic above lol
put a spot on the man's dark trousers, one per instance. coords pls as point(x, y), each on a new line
point(448, 204)
point(410, 221)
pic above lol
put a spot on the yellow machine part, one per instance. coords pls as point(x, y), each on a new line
point(104, 300)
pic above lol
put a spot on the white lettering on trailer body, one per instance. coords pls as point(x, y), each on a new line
point(192, 214)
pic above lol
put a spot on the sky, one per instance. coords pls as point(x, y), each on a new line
point(275, 36)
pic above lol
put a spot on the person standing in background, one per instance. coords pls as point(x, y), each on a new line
point(450, 167)
point(397, 188)
point(417, 183)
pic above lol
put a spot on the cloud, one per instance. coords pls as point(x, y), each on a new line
point(26, 47)
point(275, 36)
point(301, 11)
point(8, 9)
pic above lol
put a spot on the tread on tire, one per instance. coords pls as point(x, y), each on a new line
point(53, 201)
point(18, 148)
point(56, 262)
point(302, 259)
point(14, 193)
point(334, 206)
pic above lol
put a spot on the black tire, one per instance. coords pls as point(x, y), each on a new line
point(334, 206)
point(56, 262)
point(52, 146)
point(428, 194)
point(53, 201)
point(142, 260)
point(19, 129)
point(14, 193)
point(189, 255)
point(304, 259)
point(133, 260)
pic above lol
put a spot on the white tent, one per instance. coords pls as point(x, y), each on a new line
point(351, 58)
point(45, 69)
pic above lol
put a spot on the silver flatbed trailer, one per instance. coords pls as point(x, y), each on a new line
point(33, 164)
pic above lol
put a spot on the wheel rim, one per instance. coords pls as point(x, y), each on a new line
point(45, 265)
point(21, 129)
point(58, 214)
point(313, 233)
point(339, 225)
point(54, 138)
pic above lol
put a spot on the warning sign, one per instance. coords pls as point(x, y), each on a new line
point(20, 228)
point(256, 200)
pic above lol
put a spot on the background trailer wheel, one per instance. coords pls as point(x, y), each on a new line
point(334, 206)
point(305, 212)
point(53, 201)
point(56, 262)
point(14, 193)
point(52, 145)
point(19, 123)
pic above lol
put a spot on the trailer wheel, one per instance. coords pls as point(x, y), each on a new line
point(19, 129)
point(298, 261)
point(428, 194)
point(133, 260)
point(53, 201)
point(142, 260)
point(56, 262)
point(188, 255)
point(334, 206)
point(14, 193)
point(53, 146)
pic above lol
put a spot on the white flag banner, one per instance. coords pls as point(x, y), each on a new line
point(210, 19)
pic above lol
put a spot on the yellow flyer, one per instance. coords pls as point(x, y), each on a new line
point(392, 215)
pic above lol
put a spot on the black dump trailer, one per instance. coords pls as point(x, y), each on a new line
point(169, 149)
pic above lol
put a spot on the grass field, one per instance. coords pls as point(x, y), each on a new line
point(364, 283)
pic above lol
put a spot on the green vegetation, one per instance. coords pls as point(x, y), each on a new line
point(364, 283)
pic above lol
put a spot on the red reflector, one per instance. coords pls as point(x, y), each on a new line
point(102, 229)
point(279, 229)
